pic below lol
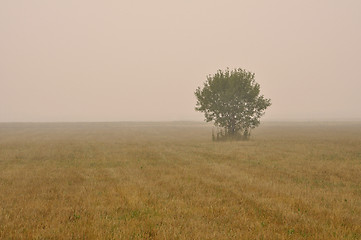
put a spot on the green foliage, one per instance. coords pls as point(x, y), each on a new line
point(232, 100)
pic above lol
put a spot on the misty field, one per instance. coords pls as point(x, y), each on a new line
point(170, 181)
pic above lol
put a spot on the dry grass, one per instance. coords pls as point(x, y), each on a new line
point(170, 181)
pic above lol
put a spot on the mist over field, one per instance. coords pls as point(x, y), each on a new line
point(142, 61)
point(100, 137)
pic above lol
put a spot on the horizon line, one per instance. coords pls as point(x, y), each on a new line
point(195, 121)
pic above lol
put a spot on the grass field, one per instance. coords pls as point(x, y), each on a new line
point(170, 181)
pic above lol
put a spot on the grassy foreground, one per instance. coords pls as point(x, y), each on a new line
point(170, 181)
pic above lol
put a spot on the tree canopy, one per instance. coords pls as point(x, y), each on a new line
point(232, 100)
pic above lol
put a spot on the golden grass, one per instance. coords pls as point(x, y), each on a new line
point(170, 181)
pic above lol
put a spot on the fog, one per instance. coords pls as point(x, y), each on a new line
point(86, 60)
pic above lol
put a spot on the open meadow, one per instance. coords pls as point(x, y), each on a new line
point(170, 181)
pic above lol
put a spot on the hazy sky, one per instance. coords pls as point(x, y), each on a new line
point(84, 60)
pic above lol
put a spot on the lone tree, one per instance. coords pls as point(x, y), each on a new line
point(232, 100)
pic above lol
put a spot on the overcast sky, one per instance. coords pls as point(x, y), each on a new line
point(84, 60)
